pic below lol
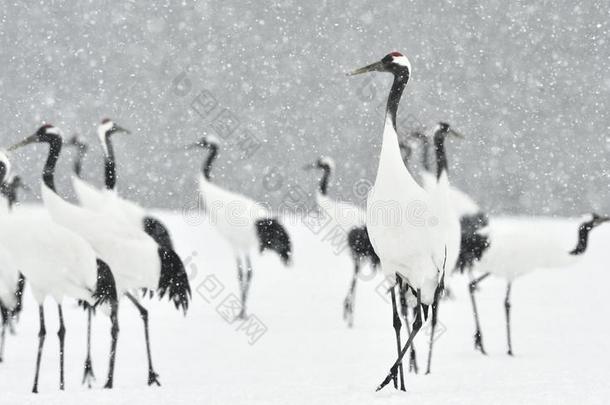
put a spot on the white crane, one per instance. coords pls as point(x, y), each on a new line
point(450, 226)
point(137, 261)
point(351, 221)
point(473, 221)
point(406, 298)
point(524, 247)
point(245, 224)
point(461, 202)
point(108, 199)
point(109, 203)
point(407, 225)
point(56, 261)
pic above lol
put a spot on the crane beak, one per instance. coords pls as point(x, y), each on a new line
point(309, 166)
point(117, 128)
point(373, 67)
point(602, 219)
point(193, 146)
point(30, 139)
point(456, 133)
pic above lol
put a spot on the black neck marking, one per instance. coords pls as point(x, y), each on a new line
point(401, 78)
point(583, 238)
point(109, 163)
point(425, 154)
point(78, 163)
point(9, 190)
point(207, 165)
point(441, 155)
point(48, 172)
point(323, 186)
point(3, 172)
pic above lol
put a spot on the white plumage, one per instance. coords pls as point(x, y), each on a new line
point(111, 239)
point(520, 247)
point(233, 215)
point(63, 265)
point(108, 201)
point(56, 261)
point(116, 228)
point(350, 220)
point(408, 226)
point(242, 222)
point(342, 214)
point(402, 222)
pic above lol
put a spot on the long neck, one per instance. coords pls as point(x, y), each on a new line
point(78, 163)
point(394, 98)
point(441, 155)
point(583, 239)
point(48, 173)
point(390, 160)
point(109, 164)
point(12, 194)
point(323, 186)
point(426, 154)
point(207, 165)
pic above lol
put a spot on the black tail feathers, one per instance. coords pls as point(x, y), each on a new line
point(105, 290)
point(360, 245)
point(473, 242)
point(273, 236)
point(16, 311)
point(173, 280)
point(156, 230)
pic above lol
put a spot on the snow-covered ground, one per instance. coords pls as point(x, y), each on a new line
point(561, 336)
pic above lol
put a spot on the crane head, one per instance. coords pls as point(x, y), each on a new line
point(394, 62)
point(597, 219)
point(77, 141)
point(108, 127)
point(45, 134)
point(206, 142)
point(444, 129)
point(5, 167)
point(324, 163)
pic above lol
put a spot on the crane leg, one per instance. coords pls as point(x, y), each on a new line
point(507, 310)
point(397, 325)
point(417, 323)
point(88, 376)
point(153, 377)
point(478, 337)
point(348, 303)
point(114, 334)
point(4, 313)
point(404, 309)
point(240, 277)
point(246, 280)
point(434, 320)
point(412, 355)
point(42, 333)
point(61, 333)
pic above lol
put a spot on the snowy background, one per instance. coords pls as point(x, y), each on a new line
point(306, 354)
point(526, 82)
